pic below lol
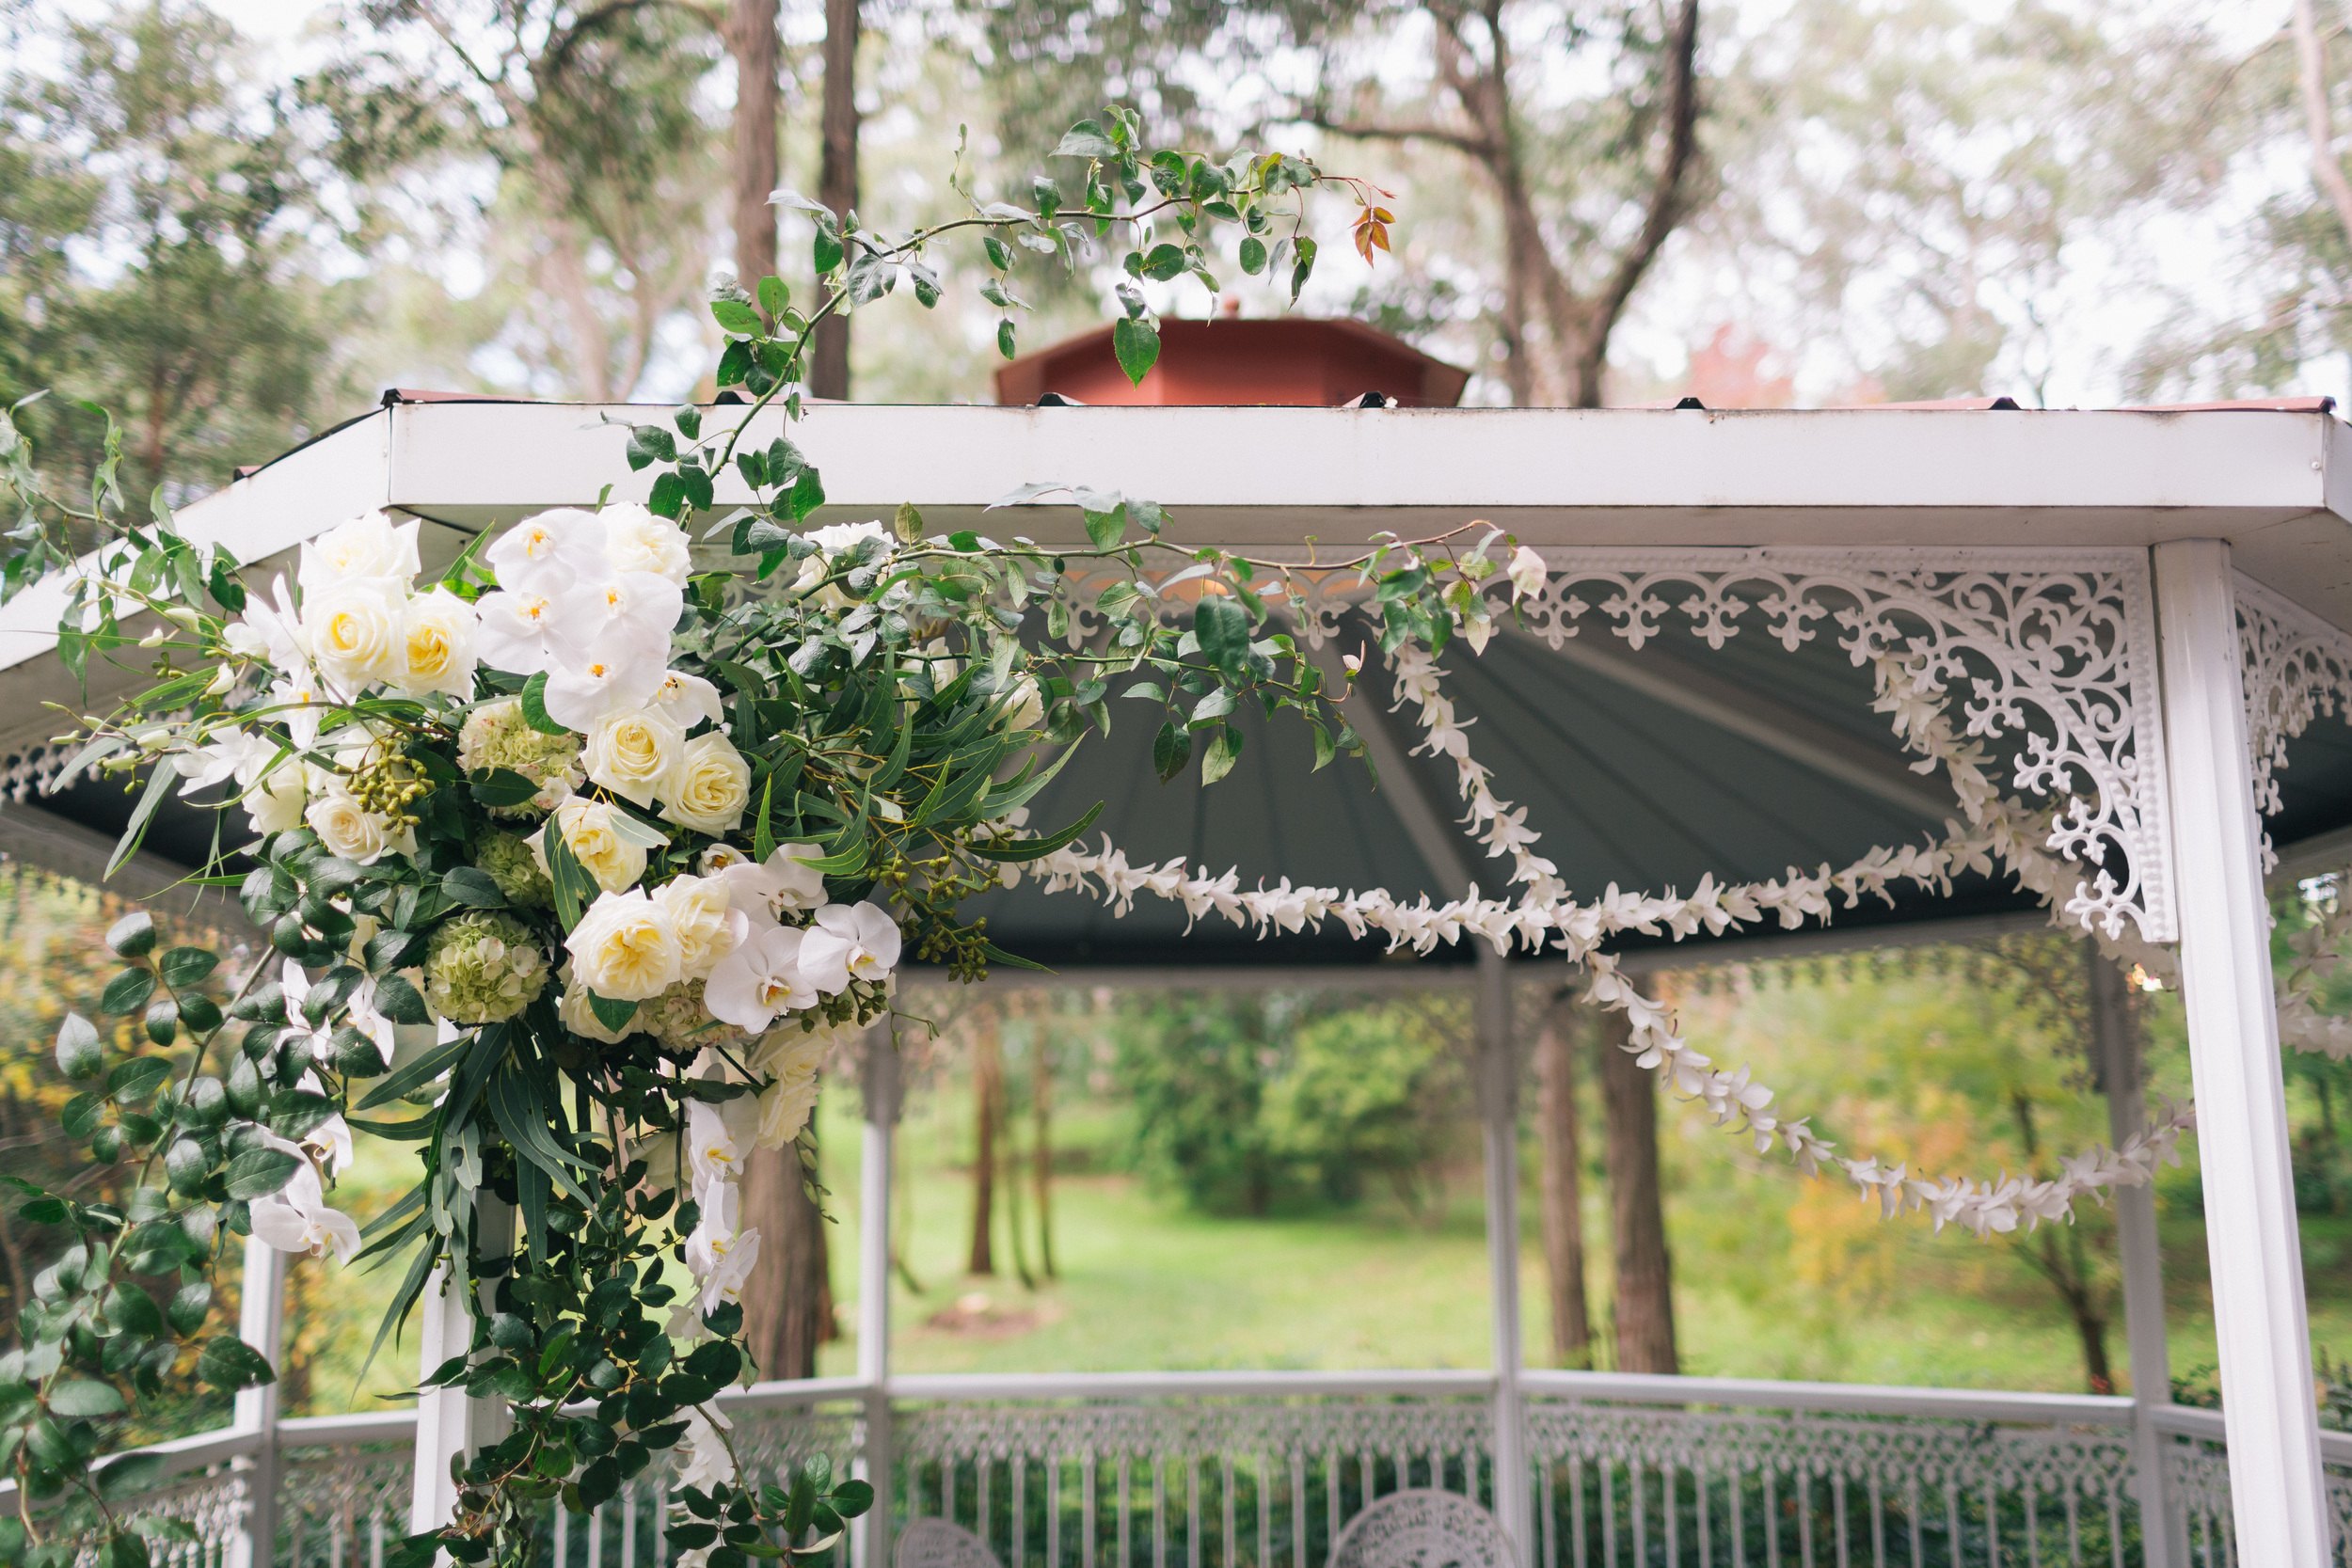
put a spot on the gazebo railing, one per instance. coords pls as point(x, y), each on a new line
point(1263, 1470)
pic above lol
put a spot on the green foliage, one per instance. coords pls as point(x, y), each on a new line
point(1248, 1103)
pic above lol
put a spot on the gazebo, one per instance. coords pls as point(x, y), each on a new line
point(2158, 600)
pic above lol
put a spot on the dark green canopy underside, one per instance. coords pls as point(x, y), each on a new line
point(1624, 788)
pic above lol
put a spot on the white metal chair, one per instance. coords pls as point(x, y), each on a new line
point(937, 1544)
point(1422, 1528)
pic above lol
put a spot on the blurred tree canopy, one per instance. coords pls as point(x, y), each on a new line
point(1248, 1103)
point(161, 226)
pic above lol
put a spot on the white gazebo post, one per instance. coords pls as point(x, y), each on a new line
point(449, 1423)
point(2119, 1070)
point(260, 1323)
point(1497, 1106)
point(871, 1533)
point(1440, 847)
point(2277, 1498)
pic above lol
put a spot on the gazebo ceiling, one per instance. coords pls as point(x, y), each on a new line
point(1647, 770)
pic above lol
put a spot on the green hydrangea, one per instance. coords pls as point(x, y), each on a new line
point(483, 967)
point(678, 1020)
point(507, 860)
point(496, 734)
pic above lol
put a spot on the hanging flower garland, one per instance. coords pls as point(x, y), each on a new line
point(1545, 918)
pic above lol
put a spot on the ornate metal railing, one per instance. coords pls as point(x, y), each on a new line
point(1264, 1471)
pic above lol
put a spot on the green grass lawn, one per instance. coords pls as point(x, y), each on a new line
point(1147, 1283)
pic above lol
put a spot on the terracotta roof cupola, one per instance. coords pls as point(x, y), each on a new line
point(1233, 362)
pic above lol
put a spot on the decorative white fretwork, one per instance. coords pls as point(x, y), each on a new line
point(997, 1432)
point(1422, 1528)
point(2296, 668)
point(2050, 651)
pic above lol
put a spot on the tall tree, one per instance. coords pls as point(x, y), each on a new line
point(751, 37)
point(1041, 1147)
point(593, 120)
point(1563, 1184)
point(789, 1308)
point(836, 184)
point(1645, 1302)
point(162, 235)
point(1587, 197)
point(988, 1100)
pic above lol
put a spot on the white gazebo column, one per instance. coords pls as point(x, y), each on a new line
point(2118, 1063)
point(2277, 1498)
point(1497, 1107)
point(448, 1422)
point(871, 1535)
point(260, 1323)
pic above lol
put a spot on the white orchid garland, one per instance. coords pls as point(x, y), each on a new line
point(1543, 917)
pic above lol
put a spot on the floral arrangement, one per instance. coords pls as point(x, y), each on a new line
point(574, 864)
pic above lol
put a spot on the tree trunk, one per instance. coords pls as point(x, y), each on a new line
point(1646, 1321)
point(751, 39)
point(1008, 1128)
point(1564, 1200)
point(1042, 1152)
point(836, 186)
point(986, 1100)
point(787, 1304)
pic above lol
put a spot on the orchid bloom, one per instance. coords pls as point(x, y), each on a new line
point(850, 942)
point(762, 978)
point(297, 1218)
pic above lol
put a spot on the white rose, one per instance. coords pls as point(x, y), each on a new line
point(625, 948)
point(712, 785)
point(843, 536)
point(573, 1012)
point(369, 546)
point(587, 829)
point(637, 541)
point(708, 926)
point(355, 630)
point(275, 801)
point(784, 1103)
point(437, 651)
point(635, 753)
point(1026, 704)
point(348, 828)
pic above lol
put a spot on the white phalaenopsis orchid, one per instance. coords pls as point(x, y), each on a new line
point(298, 1219)
point(719, 1138)
point(850, 942)
point(760, 978)
point(784, 883)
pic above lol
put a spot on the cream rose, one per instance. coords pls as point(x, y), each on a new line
point(348, 828)
point(637, 541)
point(625, 948)
point(712, 785)
point(587, 829)
point(784, 1104)
point(702, 914)
point(573, 1012)
point(635, 753)
point(275, 801)
point(355, 630)
point(437, 653)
